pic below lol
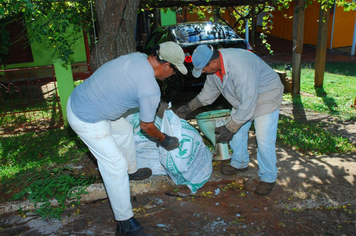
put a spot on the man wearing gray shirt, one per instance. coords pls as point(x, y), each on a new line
point(95, 112)
point(255, 92)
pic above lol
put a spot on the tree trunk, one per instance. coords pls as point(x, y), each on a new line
point(216, 13)
point(157, 18)
point(298, 34)
point(116, 34)
point(321, 47)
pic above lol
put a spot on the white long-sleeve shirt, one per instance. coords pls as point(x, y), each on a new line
point(251, 86)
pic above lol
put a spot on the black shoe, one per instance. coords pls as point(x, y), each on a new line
point(141, 174)
point(264, 188)
point(129, 227)
point(229, 170)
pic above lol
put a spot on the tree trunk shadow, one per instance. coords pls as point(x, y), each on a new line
point(298, 109)
point(328, 101)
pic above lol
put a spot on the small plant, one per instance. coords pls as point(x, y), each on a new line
point(63, 185)
point(310, 138)
point(235, 185)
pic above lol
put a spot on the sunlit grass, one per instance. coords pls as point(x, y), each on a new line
point(336, 98)
point(37, 166)
point(310, 138)
point(337, 95)
point(35, 151)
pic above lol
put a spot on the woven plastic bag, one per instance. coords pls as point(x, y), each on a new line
point(191, 163)
point(147, 152)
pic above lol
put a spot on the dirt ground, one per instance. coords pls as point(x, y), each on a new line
point(223, 206)
point(231, 208)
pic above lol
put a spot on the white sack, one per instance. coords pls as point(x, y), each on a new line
point(147, 152)
point(191, 163)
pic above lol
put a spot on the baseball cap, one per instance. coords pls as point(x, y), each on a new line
point(172, 53)
point(201, 57)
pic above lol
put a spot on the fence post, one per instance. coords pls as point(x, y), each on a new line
point(65, 85)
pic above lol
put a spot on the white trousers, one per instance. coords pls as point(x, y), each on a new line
point(113, 145)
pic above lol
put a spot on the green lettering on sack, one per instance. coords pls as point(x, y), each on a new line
point(183, 151)
point(195, 148)
point(171, 165)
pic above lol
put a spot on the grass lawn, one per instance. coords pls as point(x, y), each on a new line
point(336, 98)
point(337, 95)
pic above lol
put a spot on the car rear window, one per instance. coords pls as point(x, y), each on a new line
point(202, 32)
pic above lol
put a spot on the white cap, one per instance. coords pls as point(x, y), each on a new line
point(172, 53)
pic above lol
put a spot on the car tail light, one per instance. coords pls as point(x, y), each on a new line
point(188, 59)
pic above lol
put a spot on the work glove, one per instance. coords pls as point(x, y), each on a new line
point(226, 132)
point(169, 143)
point(223, 134)
point(185, 110)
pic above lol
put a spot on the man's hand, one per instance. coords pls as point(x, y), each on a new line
point(183, 111)
point(169, 143)
point(223, 134)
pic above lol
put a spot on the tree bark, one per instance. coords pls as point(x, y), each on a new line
point(321, 47)
point(116, 34)
point(298, 34)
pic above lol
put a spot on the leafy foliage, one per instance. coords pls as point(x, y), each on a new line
point(30, 151)
point(61, 184)
point(48, 22)
point(37, 164)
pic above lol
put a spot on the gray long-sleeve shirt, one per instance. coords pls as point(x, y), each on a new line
point(251, 86)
